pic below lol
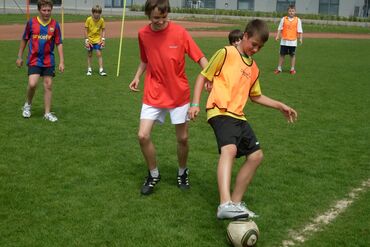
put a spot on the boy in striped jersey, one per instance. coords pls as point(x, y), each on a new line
point(41, 33)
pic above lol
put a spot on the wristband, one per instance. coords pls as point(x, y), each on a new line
point(193, 104)
point(103, 39)
point(86, 41)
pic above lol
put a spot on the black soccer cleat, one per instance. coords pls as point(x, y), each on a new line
point(183, 180)
point(149, 184)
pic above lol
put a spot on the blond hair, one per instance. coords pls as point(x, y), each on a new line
point(97, 9)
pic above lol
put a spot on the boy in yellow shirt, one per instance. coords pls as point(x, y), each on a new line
point(95, 38)
point(234, 75)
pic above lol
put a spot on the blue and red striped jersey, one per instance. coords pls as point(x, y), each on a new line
point(42, 39)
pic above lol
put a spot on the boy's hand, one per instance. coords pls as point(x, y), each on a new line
point(134, 84)
point(102, 42)
point(193, 111)
point(19, 62)
point(87, 44)
point(61, 67)
point(289, 113)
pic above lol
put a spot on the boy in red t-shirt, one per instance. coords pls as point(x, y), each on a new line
point(163, 45)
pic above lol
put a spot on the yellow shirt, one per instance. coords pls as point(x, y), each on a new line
point(94, 29)
point(234, 77)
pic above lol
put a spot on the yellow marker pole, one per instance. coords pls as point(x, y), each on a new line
point(121, 38)
point(28, 10)
point(62, 13)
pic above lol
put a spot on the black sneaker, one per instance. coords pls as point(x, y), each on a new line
point(149, 184)
point(183, 180)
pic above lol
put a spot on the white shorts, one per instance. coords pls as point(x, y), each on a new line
point(178, 115)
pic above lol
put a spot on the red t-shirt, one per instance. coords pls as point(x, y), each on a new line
point(166, 85)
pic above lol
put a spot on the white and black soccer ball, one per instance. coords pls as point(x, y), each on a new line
point(242, 233)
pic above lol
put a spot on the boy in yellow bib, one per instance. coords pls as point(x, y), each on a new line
point(290, 29)
point(95, 38)
point(234, 75)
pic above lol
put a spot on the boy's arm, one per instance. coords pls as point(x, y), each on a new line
point(289, 113)
point(61, 57)
point(277, 37)
point(203, 62)
point(87, 42)
point(194, 106)
point(22, 46)
point(102, 37)
point(135, 82)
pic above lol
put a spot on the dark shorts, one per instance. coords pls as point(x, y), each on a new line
point(95, 47)
point(230, 130)
point(287, 50)
point(42, 71)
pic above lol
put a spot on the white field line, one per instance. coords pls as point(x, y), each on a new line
point(301, 236)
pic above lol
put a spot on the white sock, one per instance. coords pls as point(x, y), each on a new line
point(279, 68)
point(292, 68)
point(101, 69)
point(155, 172)
point(181, 171)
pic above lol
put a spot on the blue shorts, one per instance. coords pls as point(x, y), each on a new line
point(95, 47)
point(287, 50)
point(42, 71)
point(230, 130)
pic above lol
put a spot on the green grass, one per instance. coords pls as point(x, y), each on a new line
point(76, 182)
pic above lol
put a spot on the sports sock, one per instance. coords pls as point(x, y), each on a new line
point(279, 68)
point(292, 68)
point(101, 69)
point(181, 171)
point(154, 173)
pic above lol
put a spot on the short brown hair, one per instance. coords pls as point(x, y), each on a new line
point(257, 28)
point(97, 9)
point(235, 35)
point(162, 5)
point(42, 3)
point(291, 6)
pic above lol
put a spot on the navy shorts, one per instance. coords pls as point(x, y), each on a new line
point(96, 46)
point(230, 130)
point(287, 50)
point(42, 71)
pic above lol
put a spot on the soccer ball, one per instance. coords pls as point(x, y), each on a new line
point(241, 233)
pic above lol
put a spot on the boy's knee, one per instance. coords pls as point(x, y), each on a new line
point(183, 140)
point(256, 157)
point(143, 138)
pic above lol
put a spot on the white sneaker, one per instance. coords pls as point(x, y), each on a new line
point(102, 72)
point(26, 110)
point(243, 207)
point(229, 210)
point(89, 72)
point(50, 117)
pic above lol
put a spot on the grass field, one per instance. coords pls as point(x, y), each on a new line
point(76, 182)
